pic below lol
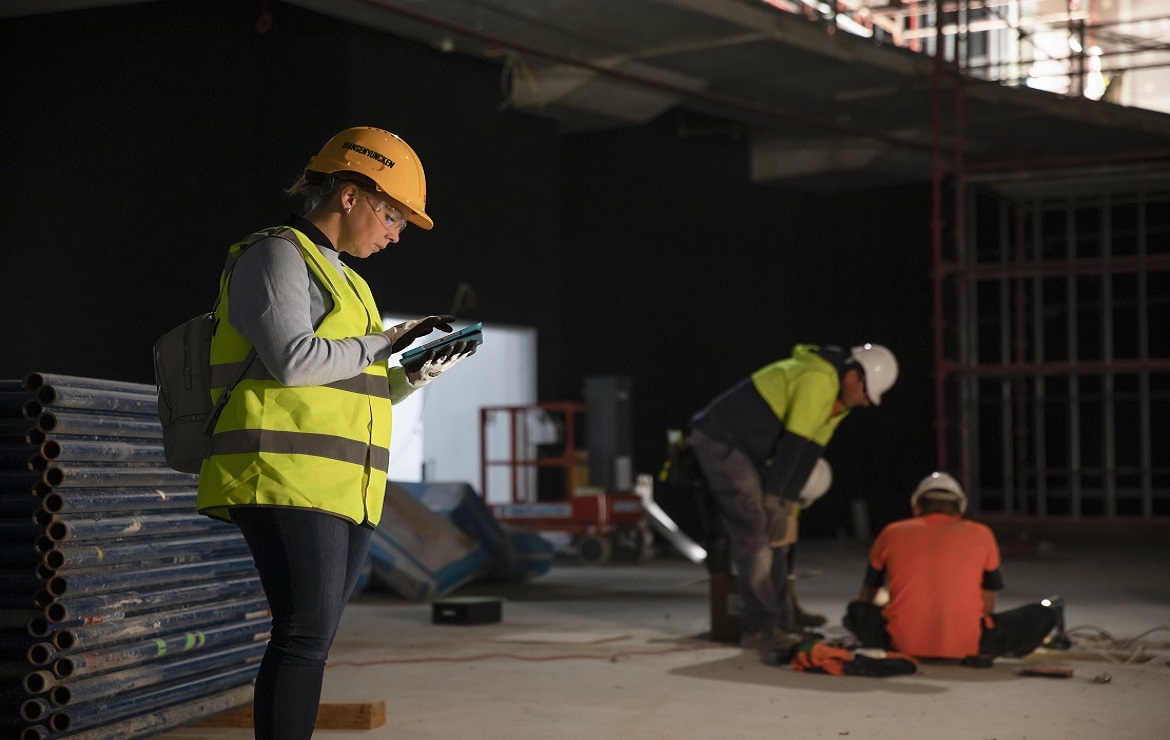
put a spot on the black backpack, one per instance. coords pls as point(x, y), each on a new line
point(182, 370)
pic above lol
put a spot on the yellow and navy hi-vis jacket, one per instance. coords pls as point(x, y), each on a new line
point(780, 417)
point(324, 447)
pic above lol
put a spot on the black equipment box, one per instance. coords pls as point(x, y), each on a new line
point(467, 610)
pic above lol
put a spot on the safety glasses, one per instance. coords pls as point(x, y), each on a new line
point(391, 215)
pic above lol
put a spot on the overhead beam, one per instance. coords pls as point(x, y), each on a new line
point(775, 157)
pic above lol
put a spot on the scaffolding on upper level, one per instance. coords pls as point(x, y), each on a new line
point(1117, 51)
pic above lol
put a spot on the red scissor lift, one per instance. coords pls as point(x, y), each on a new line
point(602, 524)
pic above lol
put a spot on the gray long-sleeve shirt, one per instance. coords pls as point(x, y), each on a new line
point(276, 302)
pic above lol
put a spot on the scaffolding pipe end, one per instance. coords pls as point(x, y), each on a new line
point(38, 681)
point(59, 696)
point(32, 710)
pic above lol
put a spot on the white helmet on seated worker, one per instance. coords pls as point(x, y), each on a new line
point(879, 367)
point(385, 159)
point(940, 486)
point(817, 484)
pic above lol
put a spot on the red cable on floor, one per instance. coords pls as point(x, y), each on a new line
point(536, 659)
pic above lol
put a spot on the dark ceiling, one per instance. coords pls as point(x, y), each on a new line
point(822, 109)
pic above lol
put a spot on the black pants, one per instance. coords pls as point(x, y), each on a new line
point(1015, 632)
point(309, 563)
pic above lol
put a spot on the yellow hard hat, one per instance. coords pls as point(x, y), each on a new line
point(384, 158)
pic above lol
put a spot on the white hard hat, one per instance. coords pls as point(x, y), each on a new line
point(880, 368)
point(817, 484)
point(940, 485)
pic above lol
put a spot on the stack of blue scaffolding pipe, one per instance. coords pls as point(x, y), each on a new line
point(123, 613)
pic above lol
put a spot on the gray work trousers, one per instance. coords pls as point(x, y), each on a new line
point(751, 521)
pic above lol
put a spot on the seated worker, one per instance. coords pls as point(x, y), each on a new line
point(943, 574)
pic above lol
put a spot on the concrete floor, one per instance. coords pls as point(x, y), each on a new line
point(619, 652)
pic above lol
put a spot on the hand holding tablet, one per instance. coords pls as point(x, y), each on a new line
point(472, 335)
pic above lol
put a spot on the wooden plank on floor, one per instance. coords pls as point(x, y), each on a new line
point(332, 716)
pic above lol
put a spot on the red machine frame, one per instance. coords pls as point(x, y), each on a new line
point(600, 521)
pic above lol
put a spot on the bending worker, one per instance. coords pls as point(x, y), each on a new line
point(943, 575)
point(757, 443)
point(300, 451)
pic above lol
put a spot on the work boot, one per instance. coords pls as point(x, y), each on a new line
point(781, 646)
point(803, 619)
point(754, 640)
point(1057, 639)
point(799, 617)
point(771, 640)
point(978, 661)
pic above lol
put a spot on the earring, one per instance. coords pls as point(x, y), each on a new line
point(348, 209)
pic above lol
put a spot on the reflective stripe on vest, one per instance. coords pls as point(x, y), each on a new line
point(324, 447)
point(365, 384)
point(242, 441)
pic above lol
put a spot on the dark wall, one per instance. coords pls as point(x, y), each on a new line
point(686, 277)
point(140, 141)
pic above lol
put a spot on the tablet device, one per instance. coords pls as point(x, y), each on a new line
point(473, 334)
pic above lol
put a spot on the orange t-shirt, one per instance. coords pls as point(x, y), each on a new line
point(934, 567)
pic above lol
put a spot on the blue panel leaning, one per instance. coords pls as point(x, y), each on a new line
point(420, 554)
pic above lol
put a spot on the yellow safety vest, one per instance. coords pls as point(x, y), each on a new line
point(323, 447)
point(801, 391)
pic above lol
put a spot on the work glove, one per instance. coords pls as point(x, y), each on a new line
point(404, 334)
point(436, 362)
point(818, 483)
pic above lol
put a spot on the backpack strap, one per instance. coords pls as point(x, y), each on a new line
point(280, 232)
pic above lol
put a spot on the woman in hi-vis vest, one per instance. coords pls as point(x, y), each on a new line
point(300, 452)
